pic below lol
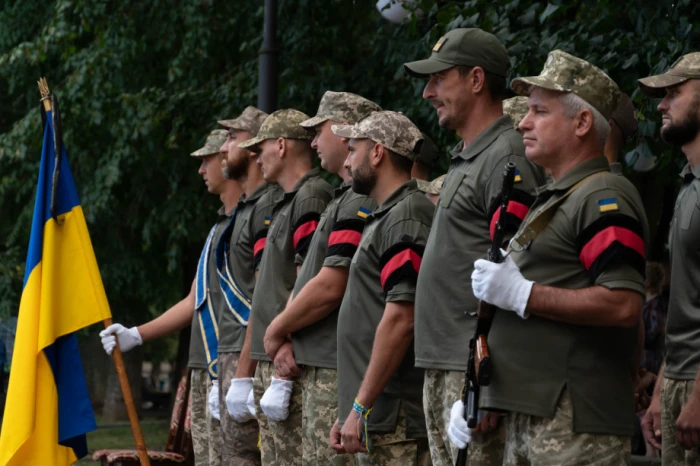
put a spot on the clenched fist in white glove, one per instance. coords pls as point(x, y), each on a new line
point(251, 404)
point(128, 338)
point(460, 434)
point(237, 399)
point(501, 285)
point(213, 400)
point(275, 401)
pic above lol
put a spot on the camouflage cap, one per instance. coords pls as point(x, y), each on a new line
point(566, 73)
point(392, 130)
point(516, 108)
point(685, 68)
point(625, 116)
point(280, 124)
point(431, 187)
point(342, 107)
point(428, 153)
point(250, 120)
point(213, 144)
point(463, 47)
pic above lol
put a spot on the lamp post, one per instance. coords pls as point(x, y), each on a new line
point(267, 63)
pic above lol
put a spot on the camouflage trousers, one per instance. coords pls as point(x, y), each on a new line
point(552, 442)
point(280, 441)
point(239, 440)
point(206, 439)
point(674, 395)
point(319, 388)
point(395, 448)
point(440, 390)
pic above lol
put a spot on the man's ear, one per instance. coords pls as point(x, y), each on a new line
point(478, 78)
point(377, 154)
point(282, 147)
point(583, 122)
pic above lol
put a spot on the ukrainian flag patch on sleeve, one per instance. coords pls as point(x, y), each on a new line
point(363, 212)
point(608, 205)
point(267, 221)
point(517, 178)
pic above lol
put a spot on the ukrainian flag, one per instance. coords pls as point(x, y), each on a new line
point(48, 410)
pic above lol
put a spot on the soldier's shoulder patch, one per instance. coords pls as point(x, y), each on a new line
point(438, 45)
point(363, 212)
point(267, 220)
point(517, 178)
point(608, 205)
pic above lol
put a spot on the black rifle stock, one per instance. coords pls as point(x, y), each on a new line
point(479, 364)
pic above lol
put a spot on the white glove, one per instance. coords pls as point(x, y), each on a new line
point(237, 399)
point(251, 404)
point(275, 401)
point(213, 400)
point(128, 338)
point(458, 431)
point(502, 285)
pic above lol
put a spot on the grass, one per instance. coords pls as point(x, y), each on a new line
point(155, 432)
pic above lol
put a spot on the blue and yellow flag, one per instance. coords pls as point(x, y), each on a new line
point(48, 411)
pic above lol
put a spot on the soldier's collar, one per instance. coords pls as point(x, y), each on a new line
point(402, 191)
point(686, 172)
point(578, 173)
point(222, 214)
point(483, 140)
point(308, 175)
point(256, 194)
point(340, 190)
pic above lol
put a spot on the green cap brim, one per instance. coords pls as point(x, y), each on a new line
point(655, 86)
point(347, 131)
point(311, 123)
point(523, 85)
point(248, 143)
point(424, 68)
point(204, 152)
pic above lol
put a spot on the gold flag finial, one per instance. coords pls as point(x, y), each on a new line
point(45, 93)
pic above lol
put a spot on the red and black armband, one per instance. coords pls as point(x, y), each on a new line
point(400, 263)
point(345, 237)
point(259, 246)
point(304, 230)
point(613, 239)
point(518, 207)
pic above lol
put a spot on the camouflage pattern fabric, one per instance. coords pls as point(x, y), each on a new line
point(685, 68)
point(395, 449)
point(239, 440)
point(440, 390)
point(250, 120)
point(674, 395)
point(213, 144)
point(552, 442)
point(566, 73)
point(206, 439)
point(342, 107)
point(280, 442)
point(281, 124)
point(516, 108)
point(392, 130)
point(319, 388)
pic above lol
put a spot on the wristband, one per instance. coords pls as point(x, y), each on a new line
point(363, 413)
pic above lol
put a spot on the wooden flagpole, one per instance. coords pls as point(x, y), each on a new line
point(116, 354)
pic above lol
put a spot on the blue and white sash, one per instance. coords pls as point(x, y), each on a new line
point(236, 299)
point(204, 309)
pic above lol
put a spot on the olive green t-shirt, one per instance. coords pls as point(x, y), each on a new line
point(333, 245)
point(294, 220)
point(683, 322)
point(198, 357)
point(246, 245)
point(384, 269)
point(465, 218)
point(597, 237)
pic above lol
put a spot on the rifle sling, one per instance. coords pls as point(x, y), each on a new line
point(534, 227)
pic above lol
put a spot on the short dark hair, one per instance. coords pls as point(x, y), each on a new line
point(402, 163)
point(495, 84)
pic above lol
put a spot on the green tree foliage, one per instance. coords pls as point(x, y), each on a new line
point(142, 83)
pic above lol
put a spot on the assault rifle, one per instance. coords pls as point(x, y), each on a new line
point(479, 364)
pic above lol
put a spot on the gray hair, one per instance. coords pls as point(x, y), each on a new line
point(573, 104)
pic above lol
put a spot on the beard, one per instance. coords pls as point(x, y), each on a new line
point(687, 129)
point(364, 179)
point(236, 165)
